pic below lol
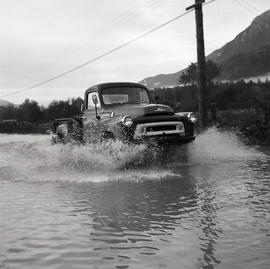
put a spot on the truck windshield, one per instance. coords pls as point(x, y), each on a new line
point(125, 95)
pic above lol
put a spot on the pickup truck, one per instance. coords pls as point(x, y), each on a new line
point(124, 111)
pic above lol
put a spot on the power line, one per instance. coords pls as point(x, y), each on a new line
point(265, 18)
point(123, 17)
point(251, 9)
point(102, 55)
point(246, 7)
point(248, 4)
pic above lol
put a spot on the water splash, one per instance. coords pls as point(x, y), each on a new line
point(215, 145)
point(32, 157)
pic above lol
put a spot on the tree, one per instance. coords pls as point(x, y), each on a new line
point(29, 110)
point(190, 76)
point(63, 109)
point(8, 113)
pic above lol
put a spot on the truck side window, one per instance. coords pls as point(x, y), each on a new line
point(144, 97)
point(90, 104)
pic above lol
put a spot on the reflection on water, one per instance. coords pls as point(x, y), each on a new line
point(205, 205)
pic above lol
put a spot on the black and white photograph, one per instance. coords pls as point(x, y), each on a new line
point(135, 134)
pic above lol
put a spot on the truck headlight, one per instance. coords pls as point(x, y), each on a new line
point(192, 117)
point(127, 121)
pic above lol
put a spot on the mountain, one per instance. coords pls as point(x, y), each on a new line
point(162, 80)
point(4, 103)
point(246, 56)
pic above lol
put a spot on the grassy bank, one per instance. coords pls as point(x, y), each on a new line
point(250, 124)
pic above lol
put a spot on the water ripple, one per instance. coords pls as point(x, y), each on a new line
point(204, 206)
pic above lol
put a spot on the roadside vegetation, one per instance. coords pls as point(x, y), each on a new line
point(30, 117)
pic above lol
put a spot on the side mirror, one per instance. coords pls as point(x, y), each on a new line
point(95, 100)
point(82, 108)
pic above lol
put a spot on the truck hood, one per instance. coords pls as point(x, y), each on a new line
point(138, 110)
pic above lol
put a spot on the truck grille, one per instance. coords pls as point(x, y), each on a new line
point(159, 129)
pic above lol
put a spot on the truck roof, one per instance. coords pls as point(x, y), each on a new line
point(101, 86)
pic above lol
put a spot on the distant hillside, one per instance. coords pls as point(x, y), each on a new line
point(246, 56)
point(4, 103)
point(162, 80)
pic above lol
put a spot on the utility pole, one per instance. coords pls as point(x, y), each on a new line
point(201, 62)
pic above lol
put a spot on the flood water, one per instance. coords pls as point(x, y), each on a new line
point(204, 205)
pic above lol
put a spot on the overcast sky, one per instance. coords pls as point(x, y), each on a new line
point(40, 39)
